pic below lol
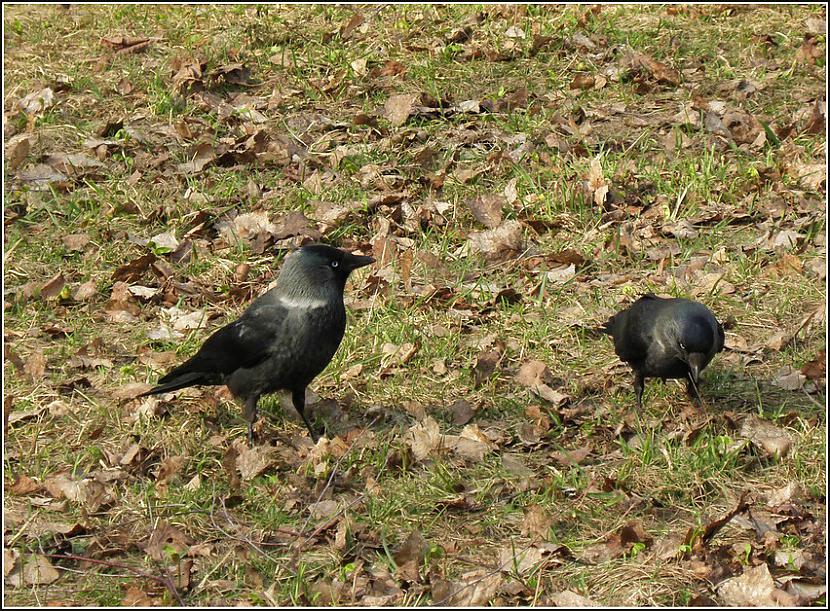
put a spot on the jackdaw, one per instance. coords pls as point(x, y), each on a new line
point(665, 338)
point(283, 340)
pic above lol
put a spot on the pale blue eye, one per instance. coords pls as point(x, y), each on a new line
point(335, 263)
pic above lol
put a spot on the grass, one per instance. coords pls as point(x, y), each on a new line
point(668, 468)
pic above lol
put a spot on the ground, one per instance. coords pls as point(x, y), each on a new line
point(519, 173)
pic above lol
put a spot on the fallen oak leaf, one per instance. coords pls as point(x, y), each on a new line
point(486, 208)
point(131, 272)
point(536, 376)
point(17, 149)
point(770, 439)
point(166, 540)
point(32, 570)
point(500, 243)
point(484, 367)
point(816, 369)
point(54, 287)
point(755, 587)
point(36, 101)
point(398, 108)
point(473, 589)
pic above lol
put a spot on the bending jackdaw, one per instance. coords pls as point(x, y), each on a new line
point(283, 340)
point(665, 338)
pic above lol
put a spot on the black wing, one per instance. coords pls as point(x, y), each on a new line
point(240, 345)
point(632, 328)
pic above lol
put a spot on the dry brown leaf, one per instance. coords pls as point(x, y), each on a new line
point(54, 287)
point(73, 164)
point(743, 127)
point(424, 438)
point(770, 439)
point(570, 599)
point(471, 444)
point(10, 557)
point(295, 224)
point(816, 369)
point(17, 149)
point(787, 494)
point(398, 108)
point(35, 366)
point(462, 412)
point(23, 415)
point(75, 241)
point(658, 70)
point(465, 173)
point(537, 522)
point(582, 81)
point(323, 510)
point(487, 208)
point(43, 176)
point(597, 185)
point(809, 51)
point(410, 555)
point(778, 340)
point(85, 291)
point(132, 390)
point(519, 560)
point(811, 175)
point(32, 570)
point(134, 270)
point(23, 485)
point(754, 588)
point(789, 378)
point(572, 457)
point(500, 243)
point(616, 544)
point(252, 461)
point(536, 376)
point(166, 539)
point(349, 27)
point(126, 44)
point(561, 274)
point(124, 87)
point(136, 597)
point(203, 155)
point(37, 101)
point(473, 589)
point(485, 366)
point(169, 468)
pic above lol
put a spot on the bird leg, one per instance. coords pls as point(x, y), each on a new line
point(298, 397)
point(639, 387)
point(249, 412)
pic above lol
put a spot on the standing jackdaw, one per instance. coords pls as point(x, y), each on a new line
point(665, 338)
point(283, 340)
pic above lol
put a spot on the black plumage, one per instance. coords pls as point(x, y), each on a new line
point(283, 340)
point(666, 338)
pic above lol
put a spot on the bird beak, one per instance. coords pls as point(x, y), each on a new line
point(352, 262)
point(695, 361)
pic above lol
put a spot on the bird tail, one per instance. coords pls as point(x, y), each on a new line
point(607, 328)
point(172, 382)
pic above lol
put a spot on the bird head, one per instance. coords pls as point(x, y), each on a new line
point(317, 269)
point(695, 341)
